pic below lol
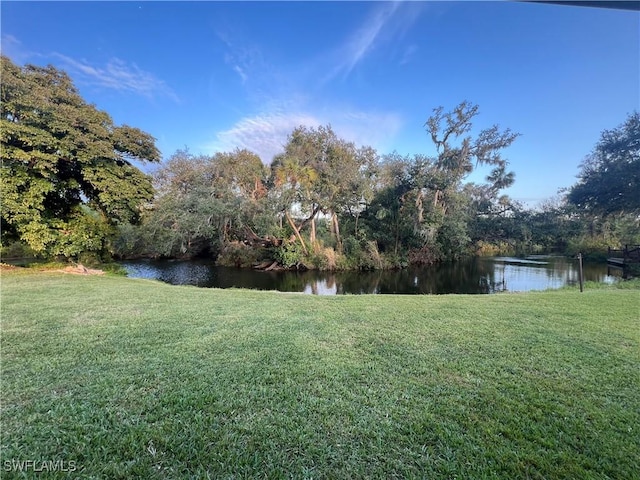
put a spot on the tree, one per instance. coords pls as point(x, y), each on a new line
point(609, 179)
point(67, 171)
point(321, 173)
point(202, 204)
point(455, 162)
point(186, 217)
point(386, 218)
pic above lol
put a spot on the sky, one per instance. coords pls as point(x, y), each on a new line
point(213, 76)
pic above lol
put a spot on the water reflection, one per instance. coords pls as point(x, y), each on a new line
point(473, 276)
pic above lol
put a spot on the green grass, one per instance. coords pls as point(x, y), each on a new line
point(136, 379)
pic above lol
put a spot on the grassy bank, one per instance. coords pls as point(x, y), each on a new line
point(130, 378)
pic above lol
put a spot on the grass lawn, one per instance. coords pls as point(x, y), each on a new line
point(125, 378)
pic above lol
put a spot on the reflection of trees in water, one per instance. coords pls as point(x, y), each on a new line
point(469, 276)
point(472, 276)
point(358, 282)
point(479, 275)
point(291, 282)
point(561, 268)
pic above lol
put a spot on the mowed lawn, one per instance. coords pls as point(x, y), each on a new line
point(130, 378)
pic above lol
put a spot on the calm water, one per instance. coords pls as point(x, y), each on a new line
point(478, 275)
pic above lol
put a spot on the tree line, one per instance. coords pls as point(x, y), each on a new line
point(70, 188)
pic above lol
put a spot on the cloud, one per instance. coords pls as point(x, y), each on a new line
point(243, 60)
point(364, 39)
point(285, 97)
point(238, 69)
point(119, 75)
point(373, 128)
point(13, 48)
point(263, 134)
point(9, 42)
point(387, 23)
point(266, 134)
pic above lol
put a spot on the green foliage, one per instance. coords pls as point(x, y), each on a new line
point(69, 188)
point(609, 179)
point(61, 155)
point(591, 248)
point(421, 206)
point(426, 255)
point(290, 255)
point(16, 249)
point(488, 249)
point(325, 258)
point(322, 190)
point(203, 202)
point(237, 254)
point(363, 254)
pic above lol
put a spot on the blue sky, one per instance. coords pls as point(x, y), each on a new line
point(212, 76)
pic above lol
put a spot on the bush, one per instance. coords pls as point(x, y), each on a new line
point(325, 259)
point(488, 249)
point(237, 254)
point(290, 255)
point(17, 249)
point(90, 259)
point(427, 255)
point(591, 248)
point(364, 254)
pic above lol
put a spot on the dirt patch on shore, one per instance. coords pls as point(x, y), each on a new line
point(78, 269)
point(6, 266)
point(81, 270)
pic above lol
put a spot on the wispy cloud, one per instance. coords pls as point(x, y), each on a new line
point(284, 98)
point(118, 75)
point(266, 133)
point(8, 42)
point(240, 71)
point(386, 23)
point(364, 39)
point(243, 60)
point(12, 47)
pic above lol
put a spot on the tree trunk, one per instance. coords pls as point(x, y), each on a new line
point(297, 232)
point(309, 218)
point(397, 235)
point(313, 233)
point(336, 228)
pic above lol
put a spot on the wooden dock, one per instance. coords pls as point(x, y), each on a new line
point(616, 261)
point(623, 257)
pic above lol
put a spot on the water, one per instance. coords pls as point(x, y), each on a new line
point(473, 276)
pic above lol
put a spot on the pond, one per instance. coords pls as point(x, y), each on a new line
point(473, 276)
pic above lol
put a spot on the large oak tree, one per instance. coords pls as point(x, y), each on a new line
point(609, 179)
point(67, 171)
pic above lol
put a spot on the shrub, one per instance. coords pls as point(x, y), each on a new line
point(325, 258)
point(237, 254)
point(17, 249)
point(591, 248)
point(426, 255)
point(290, 255)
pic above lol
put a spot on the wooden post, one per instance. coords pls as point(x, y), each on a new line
point(580, 271)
